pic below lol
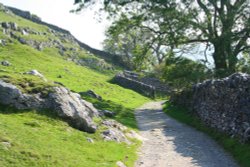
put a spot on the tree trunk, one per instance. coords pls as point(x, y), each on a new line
point(224, 59)
point(220, 60)
point(232, 61)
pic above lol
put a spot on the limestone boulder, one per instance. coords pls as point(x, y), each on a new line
point(67, 105)
point(71, 107)
point(12, 96)
point(115, 132)
point(6, 63)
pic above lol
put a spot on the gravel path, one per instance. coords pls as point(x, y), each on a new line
point(168, 143)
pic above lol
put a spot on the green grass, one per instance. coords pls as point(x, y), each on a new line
point(123, 114)
point(240, 151)
point(74, 77)
point(41, 139)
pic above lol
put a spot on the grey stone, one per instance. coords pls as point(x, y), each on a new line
point(93, 94)
point(95, 63)
point(6, 63)
point(13, 26)
point(35, 73)
point(222, 104)
point(24, 32)
point(147, 86)
point(114, 135)
point(40, 47)
point(71, 107)
point(120, 164)
point(10, 25)
point(22, 41)
point(11, 95)
point(114, 124)
point(3, 42)
point(107, 113)
point(115, 132)
point(5, 25)
point(90, 140)
point(66, 104)
point(4, 31)
point(6, 145)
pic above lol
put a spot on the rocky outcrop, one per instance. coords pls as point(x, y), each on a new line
point(120, 164)
point(35, 73)
point(66, 104)
point(14, 31)
point(95, 63)
point(223, 104)
point(145, 85)
point(107, 113)
point(73, 108)
point(11, 95)
point(118, 132)
point(5, 63)
point(111, 58)
point(92, 94)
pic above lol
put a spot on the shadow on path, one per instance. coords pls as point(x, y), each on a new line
point(170, 143)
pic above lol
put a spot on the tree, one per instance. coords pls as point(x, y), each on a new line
point(181, 72)
point(223, 24)
point(129, 43)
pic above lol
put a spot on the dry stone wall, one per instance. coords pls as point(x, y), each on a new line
point(223, 104)
point(129, 83)
point(146, 85)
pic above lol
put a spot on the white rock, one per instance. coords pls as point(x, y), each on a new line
point(120, 164)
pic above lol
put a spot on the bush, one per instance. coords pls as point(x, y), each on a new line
point(182, 72)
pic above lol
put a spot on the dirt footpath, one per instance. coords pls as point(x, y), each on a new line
point(168, 143)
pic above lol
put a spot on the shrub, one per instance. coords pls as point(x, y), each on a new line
point(182, 72)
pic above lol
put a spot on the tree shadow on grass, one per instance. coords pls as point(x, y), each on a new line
point(8, 110)
point(122, 114)
point(49, 116)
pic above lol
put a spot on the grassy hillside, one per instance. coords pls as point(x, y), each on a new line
point(30, 138)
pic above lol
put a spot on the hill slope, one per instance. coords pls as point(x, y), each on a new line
point(31, 138)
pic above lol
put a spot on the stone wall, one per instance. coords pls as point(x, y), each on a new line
point(223, 104)
point(145, 85)
point(139, 87)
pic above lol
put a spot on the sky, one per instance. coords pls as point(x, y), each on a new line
point(84, 26)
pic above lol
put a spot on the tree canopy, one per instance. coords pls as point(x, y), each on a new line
point(223, 25)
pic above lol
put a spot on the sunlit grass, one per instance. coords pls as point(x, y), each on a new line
point(38, 138)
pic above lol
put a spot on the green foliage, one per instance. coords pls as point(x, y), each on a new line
point(129, 42)
point(224, 25)
point(244, 63)
point(238, 150)
point(181, 72)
